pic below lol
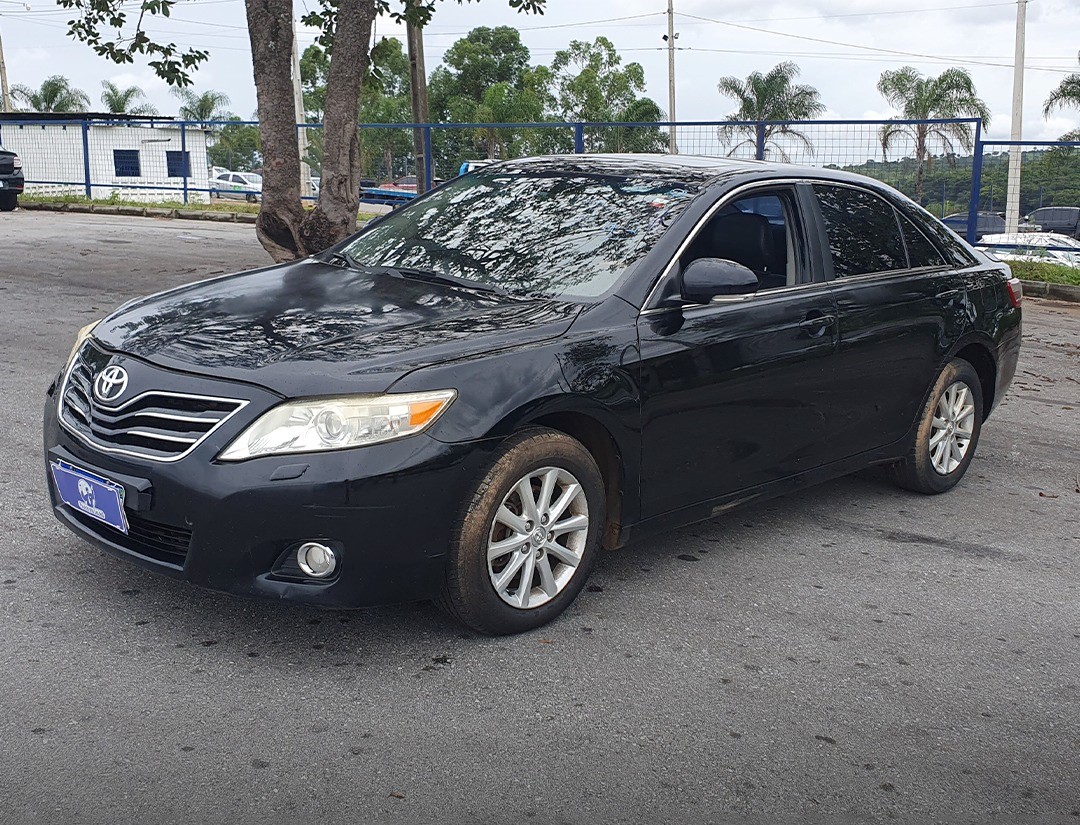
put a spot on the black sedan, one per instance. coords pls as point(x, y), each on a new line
point(469, 398)
point(11, 180)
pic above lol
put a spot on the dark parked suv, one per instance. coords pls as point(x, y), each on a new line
point(469, 398)
point(11, 180)
point(986, 223)
point(1064, 220)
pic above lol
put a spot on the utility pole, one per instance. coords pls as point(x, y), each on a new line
point(1012, 197)
point(5, 93)
point(418, 89)
point(673, 147)
point(299, 115)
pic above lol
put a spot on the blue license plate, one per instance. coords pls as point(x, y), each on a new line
point(90, 494)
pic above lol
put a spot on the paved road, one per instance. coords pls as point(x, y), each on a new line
point(852, 650)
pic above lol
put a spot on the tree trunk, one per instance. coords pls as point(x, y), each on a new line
point(334, 216)
point(418, 91)
point(283, 228)
point(281, 215)
point(920, 162)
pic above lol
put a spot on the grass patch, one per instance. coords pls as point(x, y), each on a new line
point(215, 205)
point(1039, 271)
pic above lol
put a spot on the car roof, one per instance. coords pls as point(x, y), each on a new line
point(701, 168)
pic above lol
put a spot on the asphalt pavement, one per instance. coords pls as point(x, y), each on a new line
point(852, 651)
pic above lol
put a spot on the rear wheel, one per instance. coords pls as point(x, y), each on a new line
point(529, 535)
point(948, 432)
point(8, 201)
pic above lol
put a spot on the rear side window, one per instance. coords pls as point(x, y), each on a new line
point(863, 232)
point(921, 253)
point(955, 251)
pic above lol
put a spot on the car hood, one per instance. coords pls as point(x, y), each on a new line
point(311, 328)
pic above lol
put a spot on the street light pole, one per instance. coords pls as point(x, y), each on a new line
point(299, 114)
point(5, 93)
point(673, 147)
point(1012, 199)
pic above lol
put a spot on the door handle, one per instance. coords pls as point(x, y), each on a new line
point(947, 295)
point(816, 324)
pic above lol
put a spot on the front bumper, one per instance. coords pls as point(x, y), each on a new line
point(389, 510)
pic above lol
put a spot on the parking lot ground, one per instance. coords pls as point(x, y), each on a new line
point(850, 651)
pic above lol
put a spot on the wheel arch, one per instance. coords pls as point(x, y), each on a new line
point(602, 445)
point(980, 354)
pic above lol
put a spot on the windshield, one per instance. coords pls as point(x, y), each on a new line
point(556, 233)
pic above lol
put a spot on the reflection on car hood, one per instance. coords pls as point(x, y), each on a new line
point(310, 328)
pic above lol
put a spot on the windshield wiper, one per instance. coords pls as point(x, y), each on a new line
point(341, 259)
point(432, 277)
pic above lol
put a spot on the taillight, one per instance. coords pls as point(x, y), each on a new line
point(1016, 291)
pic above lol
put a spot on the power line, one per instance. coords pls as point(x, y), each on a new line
point(868, 13)
point(876, 49)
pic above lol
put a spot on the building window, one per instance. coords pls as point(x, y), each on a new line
point(126, 163)
point(179, 164)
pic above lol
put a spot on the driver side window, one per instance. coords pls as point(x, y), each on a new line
point(758, 231)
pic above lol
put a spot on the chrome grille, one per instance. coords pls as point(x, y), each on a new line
point(158, 425)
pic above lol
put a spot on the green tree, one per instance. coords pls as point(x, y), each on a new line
point(56, 94)
point(209, 105)
point(949, 95)
point(119, 101)
point(773, 96)
point(588, 82)
point(115, 29)
point(236, 146)
point(1066, 94)
point(478, 61)
point(314, 66)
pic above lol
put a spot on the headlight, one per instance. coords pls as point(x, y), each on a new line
point(18, 162)
point(318, 424)
point(80, 339)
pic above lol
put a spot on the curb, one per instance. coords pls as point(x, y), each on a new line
point(1057, 292)
point(139, 211)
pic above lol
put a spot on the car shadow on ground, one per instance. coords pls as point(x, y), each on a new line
point(147, 610)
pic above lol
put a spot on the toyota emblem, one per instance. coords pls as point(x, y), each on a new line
point(110, 383)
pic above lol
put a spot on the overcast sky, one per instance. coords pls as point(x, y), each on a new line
point(979, 36)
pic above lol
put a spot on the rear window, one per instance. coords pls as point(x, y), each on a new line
point(864, 234)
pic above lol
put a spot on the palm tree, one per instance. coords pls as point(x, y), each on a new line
point(770, 97)
point(1066, 94)
point(55, 95)
point(118, 101)
point(209, 105)
point(949, 95)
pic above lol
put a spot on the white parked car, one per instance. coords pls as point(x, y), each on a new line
point(240, 185)
point(1032, 246)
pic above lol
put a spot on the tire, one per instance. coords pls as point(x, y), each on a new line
point(549, 459)
point(250, 198)
point(8, 202)
point(932, 467)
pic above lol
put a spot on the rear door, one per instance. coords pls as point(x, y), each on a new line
point(900, 305)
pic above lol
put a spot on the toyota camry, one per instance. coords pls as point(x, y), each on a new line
point(471, 397)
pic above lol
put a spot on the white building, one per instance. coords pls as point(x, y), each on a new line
point(137, 158)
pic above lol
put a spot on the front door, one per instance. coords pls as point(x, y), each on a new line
point(738, 392)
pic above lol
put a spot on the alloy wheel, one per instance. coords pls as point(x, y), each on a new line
point(952, 428)
point(537, 537)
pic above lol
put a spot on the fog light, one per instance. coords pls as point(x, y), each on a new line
point(316, 560)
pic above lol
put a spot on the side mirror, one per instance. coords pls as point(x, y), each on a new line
point(706, 278)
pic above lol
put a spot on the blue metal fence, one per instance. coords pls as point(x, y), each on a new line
point(80, 156)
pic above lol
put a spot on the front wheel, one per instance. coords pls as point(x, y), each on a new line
point(529, 535)
point(948, 432)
